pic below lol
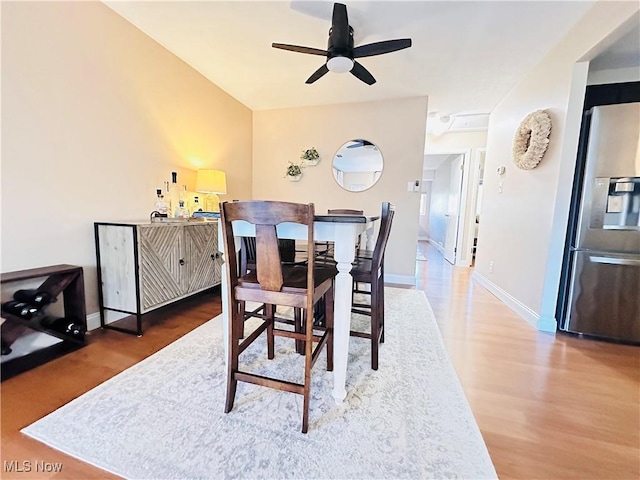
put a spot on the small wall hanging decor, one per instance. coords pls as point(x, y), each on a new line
point(310, 156)
point(531, 140)
point(294, 172)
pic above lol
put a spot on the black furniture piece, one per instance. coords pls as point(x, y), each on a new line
point(370, 271)
point(65, 280)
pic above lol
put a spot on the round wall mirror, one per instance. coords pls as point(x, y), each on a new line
point(357, 165)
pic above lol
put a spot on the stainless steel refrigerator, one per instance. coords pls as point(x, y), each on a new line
point(603, 288)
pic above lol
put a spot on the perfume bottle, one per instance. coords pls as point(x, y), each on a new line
point(181, 211)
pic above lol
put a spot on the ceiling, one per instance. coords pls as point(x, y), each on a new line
point(465, 56)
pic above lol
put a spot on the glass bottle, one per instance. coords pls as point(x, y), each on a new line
point(181, 211)
point(196, 207)
point(174, 192)
point(161, 206)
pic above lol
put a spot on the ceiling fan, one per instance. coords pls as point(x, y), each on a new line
point(340, 51)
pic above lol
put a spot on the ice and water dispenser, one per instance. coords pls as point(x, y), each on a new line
point(616, 204)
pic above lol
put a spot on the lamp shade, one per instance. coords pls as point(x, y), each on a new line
point(211, 181)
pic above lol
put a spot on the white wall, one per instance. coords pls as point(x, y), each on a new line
point(615, 75)
point(95, 116)
point(397, 127)
point(523, 228)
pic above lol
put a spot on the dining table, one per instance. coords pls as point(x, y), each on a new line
point(343, 230)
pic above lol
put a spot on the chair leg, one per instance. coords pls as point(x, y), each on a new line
point(242, 307)
point(308, 354)
point(375, 322)
point(329, 301)
point(297, 327)
point(270, 311)
point(237, 324)
point(381, 306)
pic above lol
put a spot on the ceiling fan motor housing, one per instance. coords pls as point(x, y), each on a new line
point(340, 50)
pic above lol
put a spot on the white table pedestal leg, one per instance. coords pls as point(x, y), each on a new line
point(369, 234)
point(343, 255)
point(224, 292)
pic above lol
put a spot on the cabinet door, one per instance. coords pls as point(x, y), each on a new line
point(161, 264)
point(202, 268)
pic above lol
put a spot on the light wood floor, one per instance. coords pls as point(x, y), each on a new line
point(548, 407)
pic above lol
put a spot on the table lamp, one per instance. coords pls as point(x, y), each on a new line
point(212, 183)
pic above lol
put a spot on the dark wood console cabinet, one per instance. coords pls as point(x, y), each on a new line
point(58, 280)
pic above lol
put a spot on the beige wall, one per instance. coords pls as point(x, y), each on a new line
point(397, 127)
point(95, 116)
point(522, 229)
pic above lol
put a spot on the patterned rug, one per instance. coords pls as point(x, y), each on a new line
point(163, 418)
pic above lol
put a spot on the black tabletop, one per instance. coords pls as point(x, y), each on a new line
point(345, 218)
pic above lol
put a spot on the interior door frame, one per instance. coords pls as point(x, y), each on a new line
point(474, 178)
point(458, 233)
point(465, 228)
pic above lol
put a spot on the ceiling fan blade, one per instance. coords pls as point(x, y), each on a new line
point(379, 48)
point(299, 49)
point(359, 143)
point(318, 73)
point(362, 73)
point(340, 25)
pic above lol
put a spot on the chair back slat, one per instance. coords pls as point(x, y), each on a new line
point(269, 212)
point(386, 219)
point(268, 264)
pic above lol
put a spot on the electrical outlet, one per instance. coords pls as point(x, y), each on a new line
point(500, 188)
point(491, 266)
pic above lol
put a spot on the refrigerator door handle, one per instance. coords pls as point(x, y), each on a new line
point(614, 261)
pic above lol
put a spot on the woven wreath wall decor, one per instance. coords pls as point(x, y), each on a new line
point(531, 140)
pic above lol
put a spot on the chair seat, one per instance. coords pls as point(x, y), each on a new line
point(361, 267)
point(294, 277)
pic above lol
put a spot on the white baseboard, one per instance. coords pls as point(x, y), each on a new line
point(93, 319)
point(520, 308)
point(548, 324)
point(423, 239)
point(439, 247)
point(399, 279)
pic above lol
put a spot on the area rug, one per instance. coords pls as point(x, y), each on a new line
point(163, 418)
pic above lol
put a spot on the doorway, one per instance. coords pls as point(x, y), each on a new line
point(442, 187)
point(450, 203)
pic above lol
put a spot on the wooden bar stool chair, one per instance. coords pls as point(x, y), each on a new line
point(371, 272)
point(273, 283)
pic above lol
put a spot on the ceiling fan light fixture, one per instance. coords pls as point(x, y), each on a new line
point(340, 64)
